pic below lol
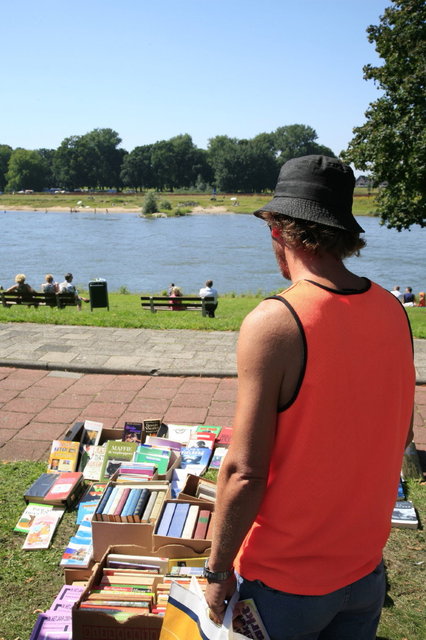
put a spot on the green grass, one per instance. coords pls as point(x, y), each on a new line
point(125, 311)
point(30, 580)
point(247, 203)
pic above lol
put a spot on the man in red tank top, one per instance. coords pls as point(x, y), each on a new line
point(326, 389)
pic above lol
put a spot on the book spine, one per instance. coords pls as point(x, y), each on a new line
point(102, 503)
point(120, 505)
point(130, 504)
point(140, 507)
point(178, 521)
point(107, 507)
point(191, 520)
point(202, 524)
point(209, 532)
point(157, 506)
point(166, 518)
point(149, 506)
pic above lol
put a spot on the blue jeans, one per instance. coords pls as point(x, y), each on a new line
point(350, 613)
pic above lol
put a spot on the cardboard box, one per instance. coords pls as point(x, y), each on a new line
point(188, 493)
point(89, 625)
point(125, 533)
point(168, 546)
point(72, 574)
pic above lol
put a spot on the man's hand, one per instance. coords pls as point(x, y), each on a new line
point(216, 594)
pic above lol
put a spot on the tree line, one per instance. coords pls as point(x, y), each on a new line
point(96, 161)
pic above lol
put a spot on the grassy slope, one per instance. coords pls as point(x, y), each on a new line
point(31, 579)
point(125, 311)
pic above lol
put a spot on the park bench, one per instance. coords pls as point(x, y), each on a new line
point(58, 300)
point(183, 303)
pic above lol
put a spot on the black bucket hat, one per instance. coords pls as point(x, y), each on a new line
point(315, 188)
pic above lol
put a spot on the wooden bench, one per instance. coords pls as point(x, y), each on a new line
point(183, 303)
point(58, 300)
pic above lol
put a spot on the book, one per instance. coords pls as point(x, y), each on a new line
point(195, 459)
point(153, 455)
point(140, 505)
point(91, 433)
point(157, 506)
point(404, 515)
point(166, 518)
point(132, 432)
point(191, 520)
point(67, 596)
point(137, 560)
point(45, 490)
point(94, 492)
point(164, 443)
point(64, 486)
point(42, 529)
point(180, 432)
point(202, 524)
point(205, 427)
point(27, 518)
point(45, 629)
point(248, 621)
point(63, 456)
point(91, 460)
point(218, 456)
point(203, 439)
point(151, 427)
point(149, 506)
point(120, 504)
point(116, 453)
point(400, 492)
point(77, 554)
point(178, 520)
point(102, 503)
point(130, 505)
point(224, 437)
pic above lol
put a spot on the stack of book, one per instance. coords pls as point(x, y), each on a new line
point(121, 503)
point(185, 520)
point(58, 489)
point(116, 452)
point(135, 472)
point(206, 491)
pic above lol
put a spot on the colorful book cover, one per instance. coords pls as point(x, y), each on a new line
point(132, 432)
point(248, 621)
point(63, 456)
point(224, 437)
point(95, 455)
point(178, 521)
point(27, 518)
point(153, 455)
point(219, 454)
point(116, 453)
point(195, 457)
point(64, 485)
point(205, 427)
point(164, 443)
point(77, 554)
point(42, 530)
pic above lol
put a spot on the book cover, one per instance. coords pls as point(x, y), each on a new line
point(64, 486)
point(202, 524)
point(149, 506)
point(76, 555)
point(180, 432)
point(205, 427)
point(131, 503)
point(219, 454)
point(153, 455)
point(140, 505)
point(198, 457)
point(102, 503)
point(27, 518)
point(178, 520)
point(224, 437)
point(63, 456)
point(404, 515)
point(116, 453)
point(42, 529)
point(92, 458)
point(39, 488)
point(248, 621)
point(204, 439)
point(157, 506)
point(132, 432)
point(191, 520)
point(151, 427)
point(91, 433)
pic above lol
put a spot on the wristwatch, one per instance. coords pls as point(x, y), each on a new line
point(217, 576)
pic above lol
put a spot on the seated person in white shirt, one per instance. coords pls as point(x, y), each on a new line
point(209, 291)
point(68, 287)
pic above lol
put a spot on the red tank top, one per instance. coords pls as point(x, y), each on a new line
point(333, 476)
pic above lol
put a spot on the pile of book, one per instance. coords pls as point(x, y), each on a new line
point(185, 520)
point(121, 503)
point(56, 622)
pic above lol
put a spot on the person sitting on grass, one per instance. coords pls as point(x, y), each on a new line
point(21, 287)
point(68, 287)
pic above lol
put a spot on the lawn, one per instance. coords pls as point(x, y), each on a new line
point(125, 311)
point(31, 579)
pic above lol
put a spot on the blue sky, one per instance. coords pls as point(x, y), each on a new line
point(152, 70)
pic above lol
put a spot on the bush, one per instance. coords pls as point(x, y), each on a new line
point(165, 205)
point(123, 290)
point(150, 203)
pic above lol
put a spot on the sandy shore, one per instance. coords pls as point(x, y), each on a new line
point(195, 210)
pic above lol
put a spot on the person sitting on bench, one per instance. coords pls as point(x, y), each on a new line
point(209, 291)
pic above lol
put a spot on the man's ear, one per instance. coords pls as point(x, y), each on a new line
point(276, 233)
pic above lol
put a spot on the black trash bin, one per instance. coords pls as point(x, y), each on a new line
point(98, 292)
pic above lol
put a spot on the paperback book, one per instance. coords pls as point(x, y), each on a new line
point(27, 518)
point(42, 529)
point(55, 488)
point(63, 456)
point(404, 515)
point(91, 433)
point(92, 461)
point(132, 432)
point(116, 453)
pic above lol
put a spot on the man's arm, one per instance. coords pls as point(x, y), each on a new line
point(265, 340)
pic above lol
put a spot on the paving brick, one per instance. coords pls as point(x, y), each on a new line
point(114, 395)
point(26, 405)
point(106, 409)
point(222, 409)
point(17, 383)
point(185, 414)
point(149, 405)
point(157, 392)
point(160, 382)
point(220, 421)
point(191, 400)
point(29, 374)
point(24, 450)
point(197, 385)
point(57, 414)
point(12, 420)
point(225, 395)
point(35, 391)
point(5, 435)
point(71, 401)
point(8, 394)
point(52, 382)
point(5, 372)
point(43, 431)
point(128, 383)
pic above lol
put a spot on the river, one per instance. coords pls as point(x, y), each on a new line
point(145, 255)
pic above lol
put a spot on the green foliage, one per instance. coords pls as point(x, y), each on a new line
point(26, 170)
point(392, 142)
point(123, 290)
point(5, 153)
point(150, 203)
point(165, 205)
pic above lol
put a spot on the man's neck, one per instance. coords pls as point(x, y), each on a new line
point(325, 269)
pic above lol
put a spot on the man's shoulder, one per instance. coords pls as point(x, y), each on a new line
point(270, 317)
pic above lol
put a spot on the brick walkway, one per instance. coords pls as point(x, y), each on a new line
point(38, 406)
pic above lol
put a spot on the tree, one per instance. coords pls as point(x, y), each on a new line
point(27, 170)
point(5, 153)
point(136, 171)
point(392, 142)
point(295, 140)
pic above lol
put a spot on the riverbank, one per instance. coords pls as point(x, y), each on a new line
point(106, 210)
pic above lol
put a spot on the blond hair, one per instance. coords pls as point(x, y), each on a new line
point(20, 278)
